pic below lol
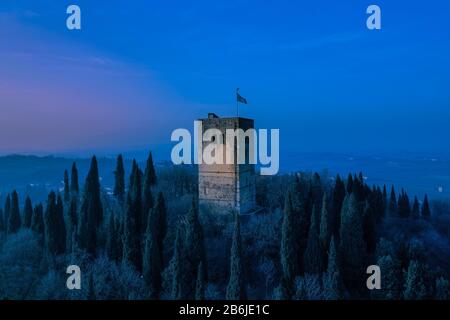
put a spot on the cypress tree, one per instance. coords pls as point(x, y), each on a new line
point(119, 224)
point(308, 204)
point(333, 277)
point(150, 174)
point(370, 225)
point(349, 183)
point(2, 222)
point(416, 250)
point(392, 207)
point(200, 284)
point(384, 248)
point(91, 211)
point(132, 243)
point(55, 230)
point(379, 205)
point(158, 222)
point(73, 214)
point(407, 206)
point(176, 268)
point(135, 191)
point(384, 199)
point(426, 213)
point(7, 211)
point(66, 187)
point(236, 285)
point(391, 279)
point(61, 222)
point(316, 190)
point(91, 289)
point(333, 264)
point(313, 259)
point(358, 188)
point(289, 250)
point(72, 221)
point(194, 245)
point(404, 209)
point(37, 221)
point(152, 265)
point(112, 245)
point(14, 221)
point(416, 208)
point(415, 283)
point(147, 202)
point(119, 175)
point(325, 225)
point(300, 218)
point(352, 245)
point(298, 190)
point(74, 188)
point(27, 213)
point(149, 182)
point(361, 177)
point(338, 199)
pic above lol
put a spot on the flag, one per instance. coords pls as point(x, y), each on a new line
point(240, 98)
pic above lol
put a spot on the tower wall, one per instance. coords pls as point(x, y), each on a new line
point(227, 187)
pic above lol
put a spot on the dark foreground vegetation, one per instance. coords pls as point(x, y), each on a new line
point(148, 240)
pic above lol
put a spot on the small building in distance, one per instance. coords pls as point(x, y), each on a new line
point(227, 188)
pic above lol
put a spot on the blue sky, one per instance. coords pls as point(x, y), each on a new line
point(139, 69)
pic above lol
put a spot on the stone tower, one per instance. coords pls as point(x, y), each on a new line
point(227, 187)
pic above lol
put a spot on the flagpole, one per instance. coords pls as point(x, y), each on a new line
point(236, 125)
point(237, 103)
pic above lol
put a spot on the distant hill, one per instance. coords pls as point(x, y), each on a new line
point(35, 175)
point(418, 174)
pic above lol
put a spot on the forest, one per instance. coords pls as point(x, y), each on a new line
point(313, 239)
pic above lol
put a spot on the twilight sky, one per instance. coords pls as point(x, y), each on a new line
point(139, 69)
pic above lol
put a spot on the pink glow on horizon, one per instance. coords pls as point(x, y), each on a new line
point(58, 96)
